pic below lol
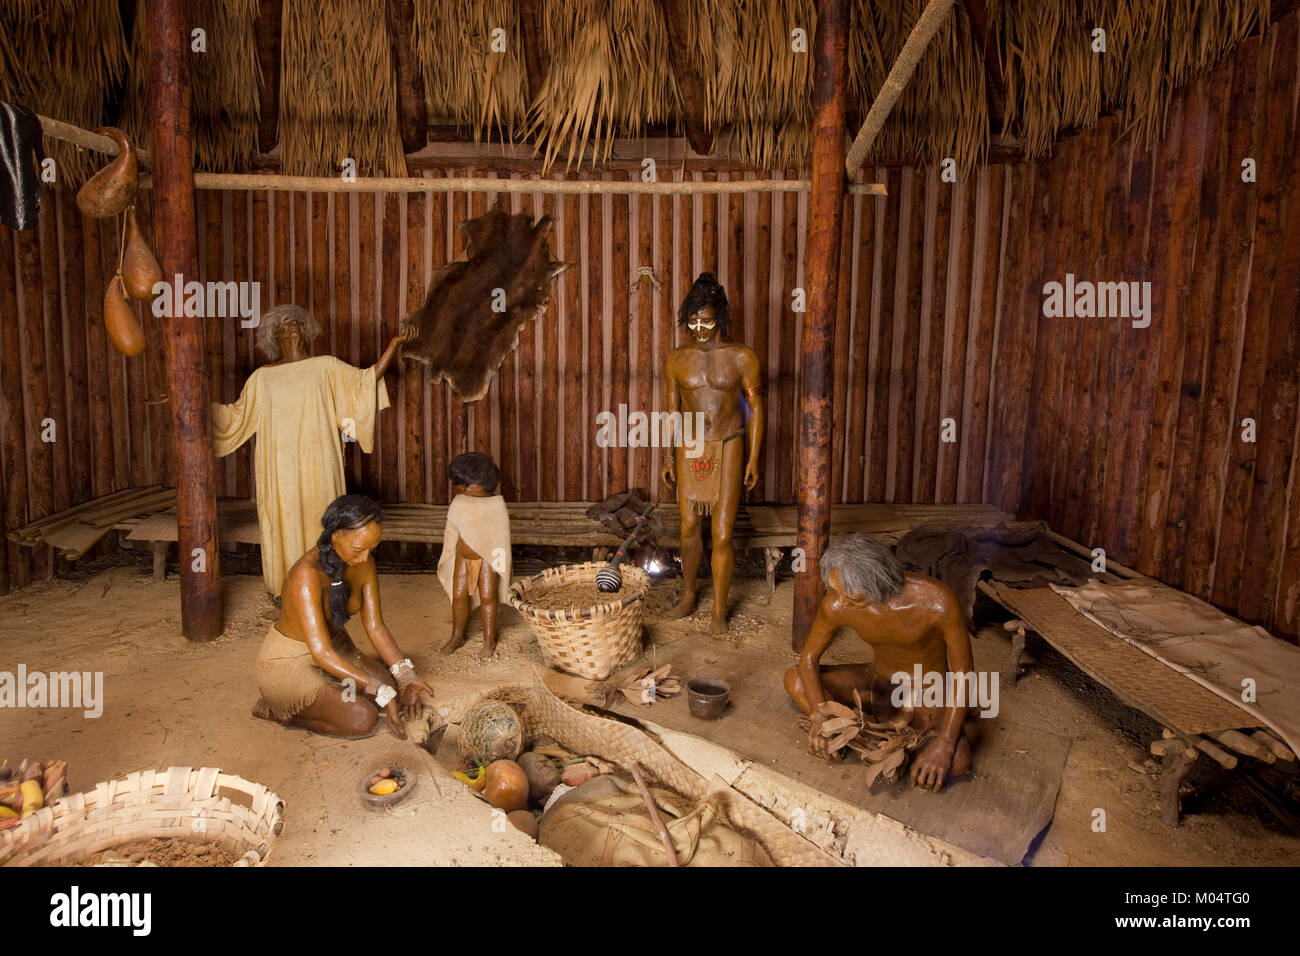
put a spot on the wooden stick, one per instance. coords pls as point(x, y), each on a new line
point(654, 816)
point(1279, 749)
point(1214, 750)
point(1162, 747)
point(1243, 744)
point(927, 25)
point(1207, 746)
point(57, 129)
point(416, 184)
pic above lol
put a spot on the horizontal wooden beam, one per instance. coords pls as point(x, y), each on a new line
point(417, 184)
point(57, 129)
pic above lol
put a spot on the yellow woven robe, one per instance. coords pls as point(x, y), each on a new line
point(298, 412)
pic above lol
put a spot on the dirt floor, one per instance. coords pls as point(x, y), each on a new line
point(169, 702)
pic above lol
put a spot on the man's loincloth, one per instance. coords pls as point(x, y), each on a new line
point(699, 479)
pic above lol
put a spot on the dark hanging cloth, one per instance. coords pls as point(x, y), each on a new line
point(20, 158)
point(1023, 558)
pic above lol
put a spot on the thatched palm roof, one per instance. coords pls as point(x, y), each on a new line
point(1020, 69)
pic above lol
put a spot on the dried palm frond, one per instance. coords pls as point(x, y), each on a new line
point(609, 75)
point(225, 85)
point(337, 89)
point(883, 745)
point(643, 686)
point(1057, 81)
point(60, 58)
point(469, 80)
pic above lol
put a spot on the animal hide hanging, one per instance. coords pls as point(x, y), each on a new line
point(21, 154)
point(477, 304)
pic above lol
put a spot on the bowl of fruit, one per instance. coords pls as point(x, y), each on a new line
point(385, 787)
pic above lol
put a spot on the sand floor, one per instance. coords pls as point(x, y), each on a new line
point(169, 702)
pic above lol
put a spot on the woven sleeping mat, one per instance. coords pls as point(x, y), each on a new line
point(994, 812)
point(1135, 677)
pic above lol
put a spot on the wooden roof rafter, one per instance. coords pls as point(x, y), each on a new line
point(994, 78)
point(690, 79)
point(537, 59)
point(267, 35)
point(412, 118)
point(927, 25)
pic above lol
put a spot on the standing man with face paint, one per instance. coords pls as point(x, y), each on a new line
point(718, 380)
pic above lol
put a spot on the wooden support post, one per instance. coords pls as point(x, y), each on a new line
point(1017, 629)
point(1173, 768)
point(772, 560)
point(196, 503)
point(821, 276)
point(160, 549)
point(932, 17)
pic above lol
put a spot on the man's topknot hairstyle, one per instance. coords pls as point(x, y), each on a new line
point(706, 291)
point(475, 468)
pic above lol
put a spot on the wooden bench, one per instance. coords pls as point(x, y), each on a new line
point(147, 515)
point(565, 524)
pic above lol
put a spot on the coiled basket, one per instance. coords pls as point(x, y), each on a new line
point(201, 806)
point(591, 642)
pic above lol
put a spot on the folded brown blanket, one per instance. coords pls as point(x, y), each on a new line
point(1023, 558)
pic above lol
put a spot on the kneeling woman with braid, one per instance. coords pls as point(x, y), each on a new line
point(309, 672)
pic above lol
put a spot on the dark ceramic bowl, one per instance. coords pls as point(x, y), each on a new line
point(706, 697)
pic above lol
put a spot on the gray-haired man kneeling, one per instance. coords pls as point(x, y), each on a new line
point(914, 624)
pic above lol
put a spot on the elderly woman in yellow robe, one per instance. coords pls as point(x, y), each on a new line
point(301, 408)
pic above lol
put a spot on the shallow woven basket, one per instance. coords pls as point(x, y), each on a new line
point(592, 642)
point(202, 806)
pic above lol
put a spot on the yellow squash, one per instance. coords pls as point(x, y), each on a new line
point(33, 799)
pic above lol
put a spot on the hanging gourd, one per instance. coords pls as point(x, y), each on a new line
point(111, 189)
point(119, 320)
point(140, 269)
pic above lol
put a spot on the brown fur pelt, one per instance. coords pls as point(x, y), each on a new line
point(461, 336)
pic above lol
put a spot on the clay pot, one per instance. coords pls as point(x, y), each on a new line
point(111, 189)
point(119, 320)
point(140, 269)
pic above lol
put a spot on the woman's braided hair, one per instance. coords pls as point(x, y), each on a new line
point(345, 513)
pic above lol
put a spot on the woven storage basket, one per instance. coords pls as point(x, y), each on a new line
point(203, 806)
point(592, 642)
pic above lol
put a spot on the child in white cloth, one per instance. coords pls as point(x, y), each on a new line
point(475, 564)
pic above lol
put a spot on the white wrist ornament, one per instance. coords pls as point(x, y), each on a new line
point(404, 671)
point(384, 695)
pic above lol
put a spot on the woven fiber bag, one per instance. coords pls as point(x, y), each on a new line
point(591, 642)
point(202, 806)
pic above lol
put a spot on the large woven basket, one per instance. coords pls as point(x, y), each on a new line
point(591, 642)
point(203, 806)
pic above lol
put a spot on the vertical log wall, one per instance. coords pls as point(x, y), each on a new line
point(1129, 439)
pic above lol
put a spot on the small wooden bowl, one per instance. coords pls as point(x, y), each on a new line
point(374, 801)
